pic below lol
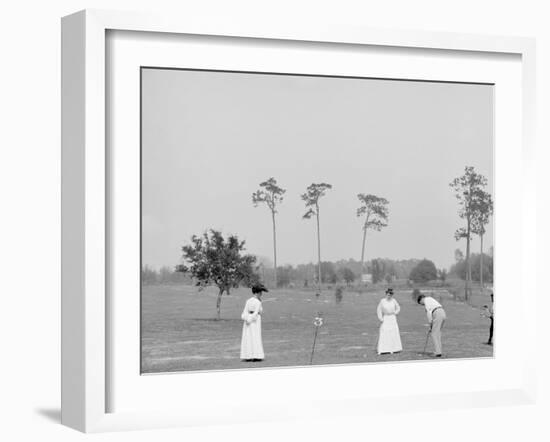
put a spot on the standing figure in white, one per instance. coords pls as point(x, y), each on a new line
point(389, 340)
point(252, 349)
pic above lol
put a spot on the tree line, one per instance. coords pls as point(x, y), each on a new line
point(342, 271)
point(164, 275)
point(346, 271)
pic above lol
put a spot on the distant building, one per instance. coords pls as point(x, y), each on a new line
point(366, 278)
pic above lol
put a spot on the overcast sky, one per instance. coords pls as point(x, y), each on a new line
point(209, 139)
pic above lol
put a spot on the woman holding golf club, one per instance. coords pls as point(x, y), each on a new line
point(436, 319)
point(389, 340)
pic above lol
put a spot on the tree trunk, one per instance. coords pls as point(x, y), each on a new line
point(274, 248)
point(219, 304)
point(363, 253)
point(468, 268)
point(319, 249)
point(481, 263)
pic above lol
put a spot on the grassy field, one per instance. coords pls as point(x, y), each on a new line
point(179, 332)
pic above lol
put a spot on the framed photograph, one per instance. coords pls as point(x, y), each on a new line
point(304, 218)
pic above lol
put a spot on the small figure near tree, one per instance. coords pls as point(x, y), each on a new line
point(339, 294)
point(489, 312)
point(272, 195)
point(313, 194)
point(212, 259)
point(374, 209)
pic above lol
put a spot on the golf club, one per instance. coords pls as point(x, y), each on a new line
point(426, 343)
point(313, 348)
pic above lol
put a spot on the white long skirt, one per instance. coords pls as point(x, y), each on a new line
point(251, 342)
point(389, 340)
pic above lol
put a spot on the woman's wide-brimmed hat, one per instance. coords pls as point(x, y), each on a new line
point(259, 288)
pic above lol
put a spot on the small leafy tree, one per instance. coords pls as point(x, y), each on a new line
point(328, 272)
point(374, 209)
point(424, 271)
point(442, 275)
point(347, 275)
point(272, 195)
point(313, 194)
point(212, 259)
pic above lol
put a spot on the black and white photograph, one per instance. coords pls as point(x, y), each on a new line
point(293, 220)
point(280, 220)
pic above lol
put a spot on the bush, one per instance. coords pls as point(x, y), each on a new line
point(339, 294)
point(347, 275)
point(424, 271)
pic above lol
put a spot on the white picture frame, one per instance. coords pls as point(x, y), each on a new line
point(86, 316)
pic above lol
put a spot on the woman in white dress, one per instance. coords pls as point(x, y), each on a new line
point(251, 343)
point(389, 340)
